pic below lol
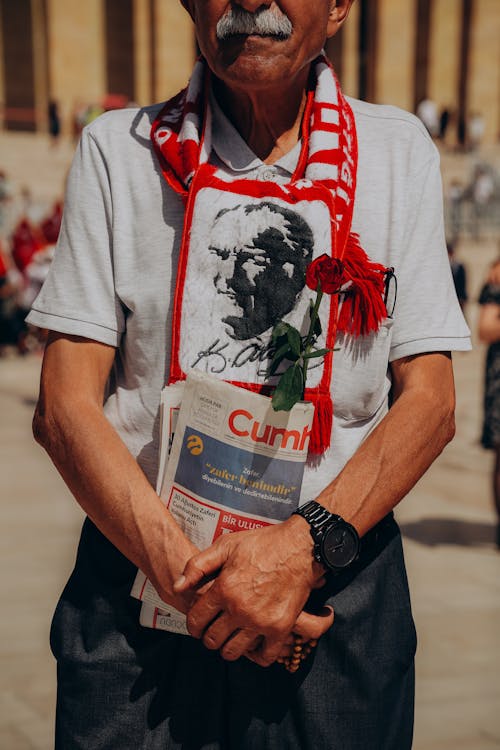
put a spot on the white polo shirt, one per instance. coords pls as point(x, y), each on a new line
point(113, 276)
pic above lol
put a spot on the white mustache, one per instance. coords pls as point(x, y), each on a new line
point(264, 22)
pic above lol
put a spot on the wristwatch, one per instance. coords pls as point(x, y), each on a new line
point(336, 542)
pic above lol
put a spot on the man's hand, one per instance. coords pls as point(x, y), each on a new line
point(164, 576)
point(264, 578)
point(309, 626)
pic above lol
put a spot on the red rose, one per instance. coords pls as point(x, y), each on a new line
point(329, 272)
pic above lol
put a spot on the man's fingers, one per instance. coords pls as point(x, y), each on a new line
point(232, 645)
point(220, 631)
point(319, 583)
point(204, 612)
point(313, 626)
point(201, 567)
point(270, 650)
point(240, 643)
point(310, 627)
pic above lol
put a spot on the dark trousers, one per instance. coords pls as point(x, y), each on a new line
point(124, 687)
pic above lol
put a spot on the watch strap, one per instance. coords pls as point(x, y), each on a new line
point(316, 514)
point(318, 517)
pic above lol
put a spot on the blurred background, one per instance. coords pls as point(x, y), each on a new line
point(62, 63)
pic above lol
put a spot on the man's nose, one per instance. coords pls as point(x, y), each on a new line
point(253, 5)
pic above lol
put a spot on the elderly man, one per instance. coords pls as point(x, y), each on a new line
point(263, 121)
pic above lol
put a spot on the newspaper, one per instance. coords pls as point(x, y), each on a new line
point(235, 464)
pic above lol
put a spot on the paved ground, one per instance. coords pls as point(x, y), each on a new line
point(447, 520)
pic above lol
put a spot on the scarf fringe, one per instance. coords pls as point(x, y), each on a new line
point(321, 433)
point(363, 309)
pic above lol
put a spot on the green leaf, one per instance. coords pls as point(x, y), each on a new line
point(280, 329)
point(283, 352)
point(294, 340)
point(289, 390)
point(317, 330)
point(317, 327)
point(317, 353)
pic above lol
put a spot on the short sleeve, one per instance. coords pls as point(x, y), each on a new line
point(78, 296)
point(490, 295)
point(427, 316)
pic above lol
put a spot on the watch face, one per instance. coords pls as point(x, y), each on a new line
point(339, 546)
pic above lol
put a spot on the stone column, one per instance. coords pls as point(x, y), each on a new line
point(2, 76)
point(40, 63)
point(142, 52)
point(396, 53)
point(444, 52)
point(444, 59)
point(350, 53)
point(484, 70)
point(77, 54)
point(174, 48)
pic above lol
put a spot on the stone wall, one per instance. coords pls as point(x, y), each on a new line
point(69, 50)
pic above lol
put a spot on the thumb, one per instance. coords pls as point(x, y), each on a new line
point(313, 626)
point(201, 568)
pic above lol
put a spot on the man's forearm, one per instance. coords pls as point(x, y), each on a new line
point(489, 324)
point(111, 488)
point(398, 452)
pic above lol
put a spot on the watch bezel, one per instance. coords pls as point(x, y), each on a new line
point(335, 567)
point(321, 521)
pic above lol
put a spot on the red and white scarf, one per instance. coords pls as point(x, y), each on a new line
point(246, 244)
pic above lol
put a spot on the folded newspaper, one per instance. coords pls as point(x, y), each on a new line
point(228, 462)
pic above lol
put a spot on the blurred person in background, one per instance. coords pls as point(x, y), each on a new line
point(6, 194)
point(475, 131)
point(78, 116)
point(54, 122)
point(92, 112)
point(489, 332)
point(427, 112)
point(12, 326)
point(32, 250)
point(26, 242)
point(454, 196)
point(444, 121)
point(459, 275)
point(51, 224)
point(482, 190)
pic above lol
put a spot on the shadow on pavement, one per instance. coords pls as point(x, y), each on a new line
point(434, 531)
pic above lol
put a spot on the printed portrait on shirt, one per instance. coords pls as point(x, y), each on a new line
point(255, 253)
point(262, 252)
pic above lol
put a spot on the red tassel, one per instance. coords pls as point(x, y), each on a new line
point(363, 308)
point(321, 433)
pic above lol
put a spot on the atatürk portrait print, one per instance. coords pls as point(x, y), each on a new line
point(262, 253)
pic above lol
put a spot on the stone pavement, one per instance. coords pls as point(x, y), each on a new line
point(447, 520)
